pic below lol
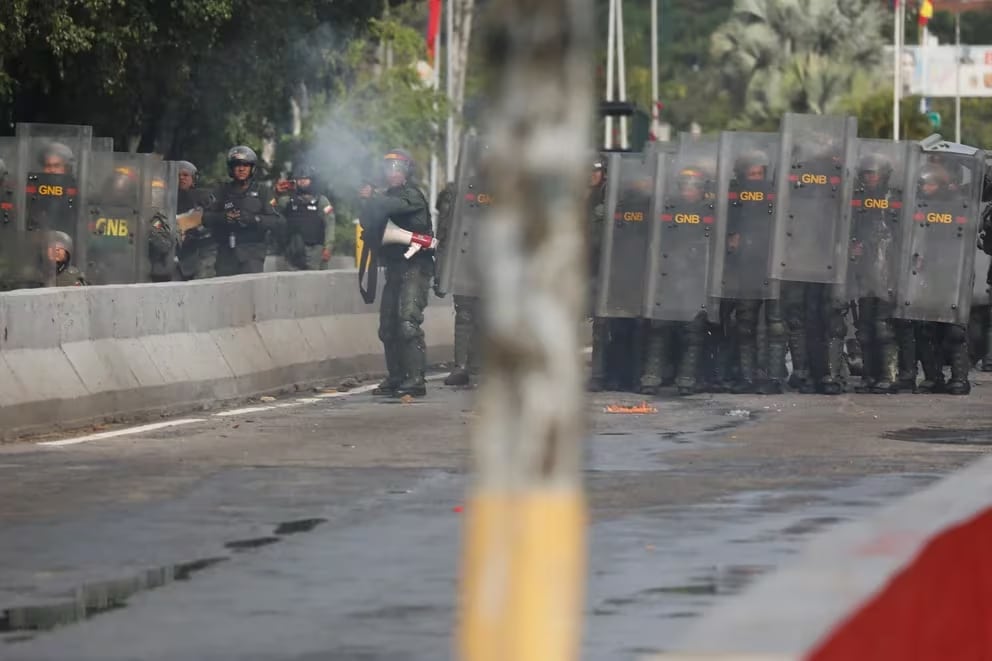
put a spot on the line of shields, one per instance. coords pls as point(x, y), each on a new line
point(731, 217)
point(61, 186)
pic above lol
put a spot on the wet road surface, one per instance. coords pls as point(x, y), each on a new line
point(311, 528)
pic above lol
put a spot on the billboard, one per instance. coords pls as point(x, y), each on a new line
point(934, 71)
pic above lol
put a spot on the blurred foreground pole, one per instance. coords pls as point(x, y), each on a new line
point(524, 548)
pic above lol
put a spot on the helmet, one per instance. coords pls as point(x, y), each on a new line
point(933, 174)
point(57, 150)
point(401, 159)
point(159, 190)
point(60, 239)
point(241, 155)
point(750, 159)
point(691, 176)
point(186, 166)
point(304, 172)
point(122, 183)
point(874, 163)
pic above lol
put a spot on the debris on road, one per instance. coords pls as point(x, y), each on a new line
point(637, 409)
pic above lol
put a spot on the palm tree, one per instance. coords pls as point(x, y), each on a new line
point(796, 55)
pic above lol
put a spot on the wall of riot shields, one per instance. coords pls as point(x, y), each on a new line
point(812, 238)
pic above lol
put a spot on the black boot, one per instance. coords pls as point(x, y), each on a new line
point(832, 382)
point(414, 362)
point(888, 369)
point(960, 365)
point(395, 372)
point(458, 377)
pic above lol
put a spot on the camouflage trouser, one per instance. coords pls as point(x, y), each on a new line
point(876, 333)
point(308, 258)
point(816, 324)
point(467, 332)
point(245, 258)
point(749, 313)
point(401, 313)
point(692, 337)
point(616, 349)
point(980, 336)
point(938, 343)
point(198, 260)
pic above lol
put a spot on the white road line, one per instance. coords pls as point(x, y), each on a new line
point(122, 432)
point(345, 393)
point(247, 409)
point(223, 414)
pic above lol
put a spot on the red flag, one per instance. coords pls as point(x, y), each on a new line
point(433, 27)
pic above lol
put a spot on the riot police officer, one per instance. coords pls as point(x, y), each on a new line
point(748, 242)
point(197, 251)
point(936, 340)
point(60, 254)
point(309, 223)
point(161, 242)
point(241, 216)
point(691, 335)
point(596, 215)
point(466, 307)
point(408, 280)
point(815, 313)
point(873, 256)
point(57, 163)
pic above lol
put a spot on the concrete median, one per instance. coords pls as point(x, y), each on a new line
point(77, 355)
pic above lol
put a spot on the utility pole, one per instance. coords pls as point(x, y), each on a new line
point(524, 555)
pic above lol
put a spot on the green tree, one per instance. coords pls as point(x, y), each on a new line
point(780, 56)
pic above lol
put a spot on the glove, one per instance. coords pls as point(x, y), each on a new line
point(326, 255)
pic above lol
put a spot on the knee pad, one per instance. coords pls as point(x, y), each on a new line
point(885, 331)
point(776, 329)
point(410, 331)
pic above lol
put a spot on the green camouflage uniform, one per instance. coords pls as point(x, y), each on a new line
point(67, 275)
point(408, 282)
point(241, 246)
point(161, 244)
point(466, 307)
point(310, 230)
point(197, 251)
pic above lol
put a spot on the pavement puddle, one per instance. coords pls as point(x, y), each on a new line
point(22, 623)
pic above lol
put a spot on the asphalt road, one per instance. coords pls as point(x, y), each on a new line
point(327, 527)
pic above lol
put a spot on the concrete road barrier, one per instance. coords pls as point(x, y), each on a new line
point(77, 355)
point(911, 581)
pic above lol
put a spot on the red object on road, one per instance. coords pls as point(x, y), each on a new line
point(939, 607)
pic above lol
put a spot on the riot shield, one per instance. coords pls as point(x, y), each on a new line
point(942, 217)
point(24, 260)
point(623, 261)
point(980, 294)
point(55, 158)
point(163, 202)
point(102, 144)
point(120, 210)
point(877, 200)
point(745, 216)
point(681, 239)
point(456, 257)
point(812, 216)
